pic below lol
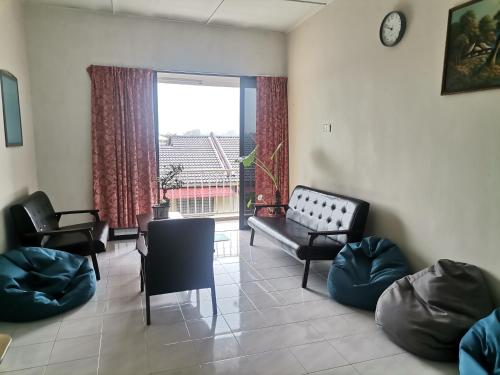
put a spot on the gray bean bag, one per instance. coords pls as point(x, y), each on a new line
point(427, 313)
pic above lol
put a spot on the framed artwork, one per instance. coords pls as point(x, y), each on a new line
point(472, 57)
point(11, 109)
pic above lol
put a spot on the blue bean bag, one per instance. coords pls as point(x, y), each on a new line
point(480, 347)
point(37, 283)
point(363, 270)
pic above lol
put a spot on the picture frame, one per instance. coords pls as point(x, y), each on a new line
point(472, 53)
point(11, 109)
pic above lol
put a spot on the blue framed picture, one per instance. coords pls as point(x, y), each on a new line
point(11, 109)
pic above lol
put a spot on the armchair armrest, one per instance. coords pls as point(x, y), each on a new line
point(94, 213)
point(86, 231)
point(258, 207)
point(314, 235)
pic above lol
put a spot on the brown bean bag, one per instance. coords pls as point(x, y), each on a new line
point(427, 313)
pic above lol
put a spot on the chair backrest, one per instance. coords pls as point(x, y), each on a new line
point(321, 211)
point(180, 255)
point(34, 214)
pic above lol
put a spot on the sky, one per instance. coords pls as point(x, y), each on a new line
point(182, 108)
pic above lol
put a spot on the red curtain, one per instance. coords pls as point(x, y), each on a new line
point(272, 129)
point(123, 143)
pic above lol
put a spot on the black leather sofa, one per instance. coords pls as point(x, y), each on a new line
point(37, 224)
point(316, 226)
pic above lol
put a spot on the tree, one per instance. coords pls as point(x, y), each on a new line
point(497, 47)
point(465, 33)
point(487, 29)
point(468, 25)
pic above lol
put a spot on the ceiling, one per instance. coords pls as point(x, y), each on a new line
point(279, 15)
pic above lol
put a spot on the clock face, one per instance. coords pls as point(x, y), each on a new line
point(392, 29)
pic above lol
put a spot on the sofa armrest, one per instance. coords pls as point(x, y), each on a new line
point(258, 207)
point(94, 213)
point(314, 235)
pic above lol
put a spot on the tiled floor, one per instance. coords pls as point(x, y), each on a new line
point(266, 324)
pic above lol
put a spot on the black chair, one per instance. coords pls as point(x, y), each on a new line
point(37, 224)
point(180, 254)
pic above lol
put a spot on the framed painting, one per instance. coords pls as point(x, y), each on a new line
point(472, 57)
point(11, 109)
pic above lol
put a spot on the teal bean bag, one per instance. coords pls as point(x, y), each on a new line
point(480, 347)
point(37, 283)
point(363, 270)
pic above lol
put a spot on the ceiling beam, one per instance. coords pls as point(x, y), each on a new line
point(212, 15)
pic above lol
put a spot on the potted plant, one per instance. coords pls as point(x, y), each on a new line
point(168, 180)
point(267, 167)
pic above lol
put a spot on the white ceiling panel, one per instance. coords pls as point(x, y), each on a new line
point(80, 4)
point(191, 10)
point(278, 15)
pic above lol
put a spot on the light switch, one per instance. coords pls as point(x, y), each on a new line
point(327, 128)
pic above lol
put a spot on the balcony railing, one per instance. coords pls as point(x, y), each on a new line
point(207, 192)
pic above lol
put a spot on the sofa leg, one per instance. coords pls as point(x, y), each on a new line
point(96, 266)
point(214, 301)
point(306, 273)
point(148, 309)
point(252, 235)
point(141, 274)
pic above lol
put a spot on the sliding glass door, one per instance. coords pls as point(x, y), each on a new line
point(248, 114)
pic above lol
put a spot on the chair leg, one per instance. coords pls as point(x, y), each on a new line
point(96, 266)
point(141, 274)
point(306, 273)
point(148, 309)
point(252, 235)
point(214, 301)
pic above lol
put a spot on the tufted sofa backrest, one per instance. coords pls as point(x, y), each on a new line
point(321, 211)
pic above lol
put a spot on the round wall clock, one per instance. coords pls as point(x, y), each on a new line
point(392, 29)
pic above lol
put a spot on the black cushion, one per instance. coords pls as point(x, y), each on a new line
point(76, 242)
point(294, 237)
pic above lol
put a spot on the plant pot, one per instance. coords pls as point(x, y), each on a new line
point(160, 212)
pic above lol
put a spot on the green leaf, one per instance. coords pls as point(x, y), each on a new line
point(249, 159)
point(276, 151)
point(249, 203)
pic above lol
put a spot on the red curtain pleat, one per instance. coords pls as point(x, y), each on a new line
point(123, 143)
point(272, 129)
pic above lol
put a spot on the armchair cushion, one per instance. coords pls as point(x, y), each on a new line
point(77, 242)
point(37, 283)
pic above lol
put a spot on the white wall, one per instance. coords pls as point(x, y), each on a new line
point(62, 43)
point(17, 164)
point(429, 164)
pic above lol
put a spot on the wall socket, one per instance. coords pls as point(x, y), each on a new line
point(327, 128)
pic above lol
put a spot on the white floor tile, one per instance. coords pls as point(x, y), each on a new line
point(318, 356)
point(35, 333)
point(411, 365)
point(207, 327)
point(75, 348)
point(86, 366)
point(27, 356)
point(365, 346)
point(81, 327)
